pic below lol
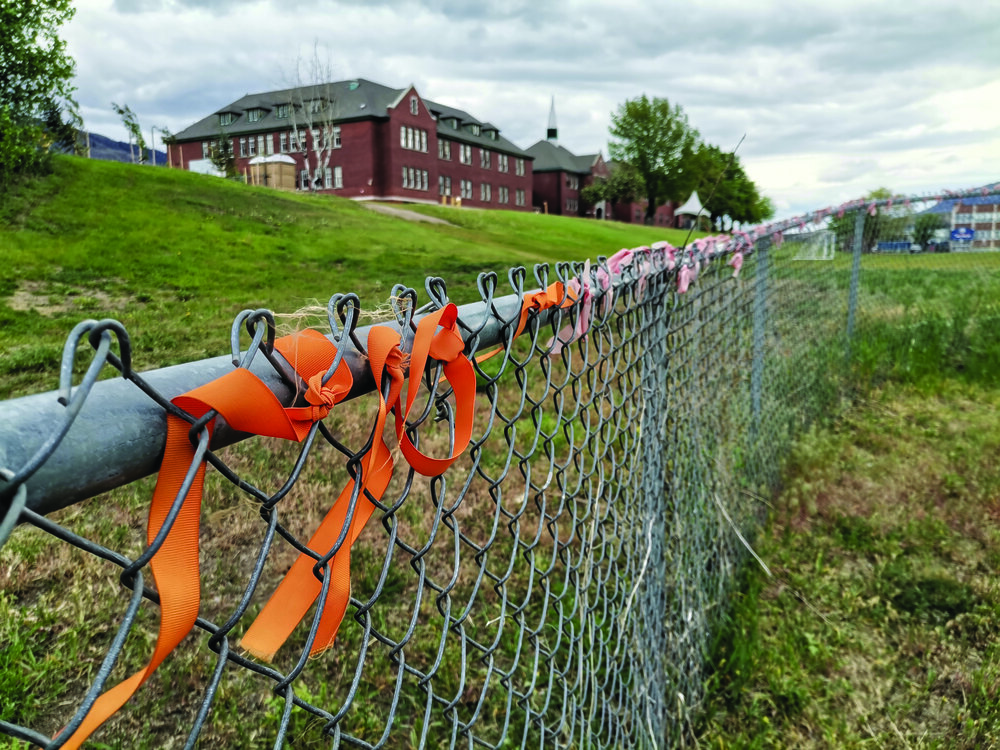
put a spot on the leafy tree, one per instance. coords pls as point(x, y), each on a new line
point(726, 190)
point(35, 76)
point(222, 154)
point(131, 123)
point(623, 185)
point(924, 227)
point(658, 142)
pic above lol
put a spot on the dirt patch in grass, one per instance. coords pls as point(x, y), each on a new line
point(47, 299)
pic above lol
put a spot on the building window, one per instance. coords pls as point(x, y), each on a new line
point(519, 197)
point(327, 178)
point(484, 158)
point(204, 149)
point(503, 196)
point(519, 167)
point(269, 140)
point(302, 141)
point(243, 147)
point(444, 149)
point(226, 118)
point(304, 179)
point(571, 205)
point(502, 162)
point(283, 143)
point(414, 106)
point(253, 146)
point(282, 112)
point(413, 139)
point(485, 192)
point(444, 185)
point(254, 115)
point(466, 186)
point(465, 153)
point(474, 129)
point(338, 177)
point(336, 137)
point(260, 144)
point(572, 182)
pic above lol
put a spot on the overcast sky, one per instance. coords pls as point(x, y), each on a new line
point(835, 98)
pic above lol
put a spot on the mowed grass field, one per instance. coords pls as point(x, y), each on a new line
point(175, 256)
point(880, 623)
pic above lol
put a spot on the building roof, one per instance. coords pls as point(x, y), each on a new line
point(550, 157)
point(357, 99)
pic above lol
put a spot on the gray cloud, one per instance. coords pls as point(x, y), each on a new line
point(815, 83)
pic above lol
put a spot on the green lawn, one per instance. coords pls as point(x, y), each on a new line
point(174, 256)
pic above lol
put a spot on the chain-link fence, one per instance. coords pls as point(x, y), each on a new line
point(556, 580)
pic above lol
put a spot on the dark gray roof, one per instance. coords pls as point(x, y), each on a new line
point(444, 113)
point(357, 99)
point(550, 157)
point(353, 100)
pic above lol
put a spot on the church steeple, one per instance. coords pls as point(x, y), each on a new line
point(552, 134)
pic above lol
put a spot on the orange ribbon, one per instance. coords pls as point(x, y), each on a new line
point(248, 405)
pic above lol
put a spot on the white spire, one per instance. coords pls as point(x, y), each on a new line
point(553, 133)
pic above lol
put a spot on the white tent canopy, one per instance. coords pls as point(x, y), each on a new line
point(273, 159)
point(692, 207)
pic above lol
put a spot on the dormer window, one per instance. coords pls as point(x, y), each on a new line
point(452, 122)
point(492, 134)
point(474, 129)
point(226, 118)
point(316, 106)
point(282, 112)
point(253, 115)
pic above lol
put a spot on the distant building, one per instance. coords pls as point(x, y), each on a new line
point(980, 214)
point(560, 175)
point(387, 144)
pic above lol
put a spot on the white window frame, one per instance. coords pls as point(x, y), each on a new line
point(337, 142)
point(252, 146)
point(304, 179)
point(465, 153)
point(283, 142)
point(466, 189)
point(519, 167)
point(414, 106)
point(484, 158)
point(327, 178)
point(282, 112)
point(338, 178)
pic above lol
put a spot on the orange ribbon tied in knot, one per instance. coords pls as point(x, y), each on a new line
point(302, 585)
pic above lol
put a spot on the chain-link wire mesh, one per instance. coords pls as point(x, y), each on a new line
point(561, 584)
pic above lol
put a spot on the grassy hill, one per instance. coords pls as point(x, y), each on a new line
point(174, 256)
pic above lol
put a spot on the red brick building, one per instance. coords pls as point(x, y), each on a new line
point(560, 175)
point(375, 143)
